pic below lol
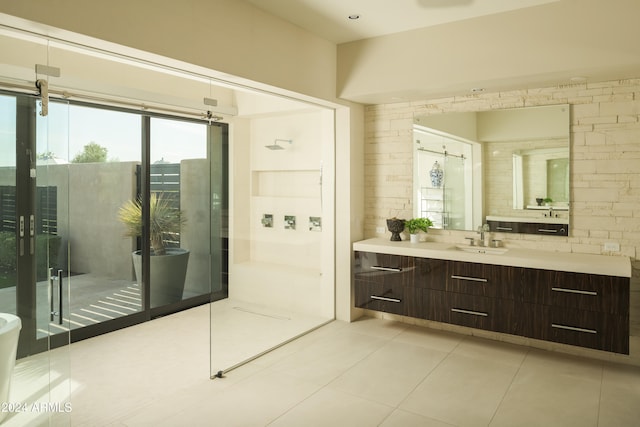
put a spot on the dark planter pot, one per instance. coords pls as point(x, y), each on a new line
point(395, 226)
point(168, 273)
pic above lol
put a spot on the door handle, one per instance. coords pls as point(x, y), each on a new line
point(52, 279)
point(60, 297)
point(32, 233)
point(21, 235)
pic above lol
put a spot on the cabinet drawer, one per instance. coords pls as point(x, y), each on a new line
point(384, 268)
point(472, 311)
point(504, 226)
point(461, 309)
point(379, 297)
point(606, 294)
point(601, 331)
point(484, 280)
point(545, 229)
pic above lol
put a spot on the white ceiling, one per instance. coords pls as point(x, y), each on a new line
point(512, 44)
point(329, 19)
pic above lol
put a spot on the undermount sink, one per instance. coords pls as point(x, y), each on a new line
point(482, 249)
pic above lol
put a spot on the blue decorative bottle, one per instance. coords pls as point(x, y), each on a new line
point(436, 175)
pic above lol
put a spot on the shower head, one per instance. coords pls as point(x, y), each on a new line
point(275, 145)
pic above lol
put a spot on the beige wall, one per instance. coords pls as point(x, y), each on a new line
point(437, 60)
point(605, 154)
point(223, 35)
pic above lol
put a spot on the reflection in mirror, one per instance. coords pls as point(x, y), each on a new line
point(443, 178)
point(512, 164)
point(541, 177)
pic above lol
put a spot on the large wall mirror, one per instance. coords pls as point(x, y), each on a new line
point(507, 165)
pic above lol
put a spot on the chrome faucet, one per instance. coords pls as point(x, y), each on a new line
point(481, 230)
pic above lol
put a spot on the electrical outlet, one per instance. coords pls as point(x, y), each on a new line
point(380, 230)
point(612, 247)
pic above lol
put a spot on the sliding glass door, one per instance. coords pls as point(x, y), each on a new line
point(182, 179)
point(70, 267)
point(34, 282)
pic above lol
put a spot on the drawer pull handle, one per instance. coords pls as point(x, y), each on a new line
point(546, 230)
point(377, 267)
point(385, 299)
point(475, 313)
point(575, 291)
point(573, 328)
point(498, 228)
point(472, 279)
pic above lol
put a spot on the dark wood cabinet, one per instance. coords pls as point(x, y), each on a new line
point(380, 281)
point(587, 310)
point(607, 294)
point(529, 228)
point(484, 279)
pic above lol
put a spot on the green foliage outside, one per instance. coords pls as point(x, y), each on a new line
point(92, 153)
point(163, 219)
point(8, 256)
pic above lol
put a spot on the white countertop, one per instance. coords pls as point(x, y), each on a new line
point(561, 261)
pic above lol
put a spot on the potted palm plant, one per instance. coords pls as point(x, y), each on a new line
point(168, 266)
point(415, 225)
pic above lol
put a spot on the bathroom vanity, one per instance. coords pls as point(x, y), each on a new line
point(576, 299)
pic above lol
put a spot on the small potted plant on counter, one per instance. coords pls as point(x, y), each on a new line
point(415, 225)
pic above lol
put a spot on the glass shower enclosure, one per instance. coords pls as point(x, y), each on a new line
point(280, 282)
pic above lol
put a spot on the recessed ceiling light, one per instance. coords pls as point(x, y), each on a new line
point(354, 16)
point(477, 89)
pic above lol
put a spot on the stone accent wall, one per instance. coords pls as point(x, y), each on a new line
point(605, 169)
point(605, 162)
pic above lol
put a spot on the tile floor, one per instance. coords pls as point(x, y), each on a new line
point(372, 372)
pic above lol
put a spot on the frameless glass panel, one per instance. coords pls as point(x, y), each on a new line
point(52, 221)
point(89, 176)
point(50, 225)
point(180, 224)
point(8, 249)
point(455, 194)
point(280, 236)
point(29, 243)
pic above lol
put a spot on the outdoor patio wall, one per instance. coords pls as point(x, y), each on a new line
point(8, 176)
point(88, 198)
point(98, 245)
point(194, 204)
point(96, 191)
